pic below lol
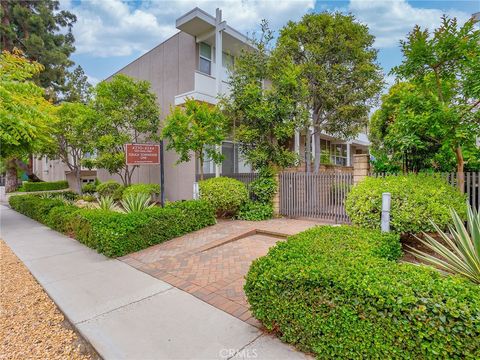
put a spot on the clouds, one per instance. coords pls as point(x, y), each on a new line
point(113, 28)
point(391, 20)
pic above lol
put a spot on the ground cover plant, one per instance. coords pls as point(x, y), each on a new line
point(115, 233)
point(338, 292)
point(416, 201)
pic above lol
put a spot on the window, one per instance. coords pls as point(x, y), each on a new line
point(205, 61)
point(339, 154)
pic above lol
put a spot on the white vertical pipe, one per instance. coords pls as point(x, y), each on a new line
point(218, 68)
point(349, 155)
point(386, 202)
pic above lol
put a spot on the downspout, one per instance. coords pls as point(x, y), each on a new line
point(219, 26)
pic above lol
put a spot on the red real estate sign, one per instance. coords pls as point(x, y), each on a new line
point(142, 154)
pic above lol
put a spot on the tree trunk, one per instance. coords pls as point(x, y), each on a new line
point(78, 179)
point(316, 140)
point(200, 158)
point(460, 166)
point(11, 176)
point(308, 149)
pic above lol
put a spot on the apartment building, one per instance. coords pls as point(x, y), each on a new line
point(194, 63)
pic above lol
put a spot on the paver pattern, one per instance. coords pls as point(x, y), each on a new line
point(211, 263)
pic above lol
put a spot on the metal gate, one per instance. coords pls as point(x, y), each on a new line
point(320, 196)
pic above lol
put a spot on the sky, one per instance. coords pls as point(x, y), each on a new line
point(109, 34)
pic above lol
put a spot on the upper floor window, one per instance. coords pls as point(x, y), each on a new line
point(205, 61)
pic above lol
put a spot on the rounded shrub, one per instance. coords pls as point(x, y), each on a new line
point(110, 188)
point(255, 211)
point(153, 190)
point(338, 292)
point(225, 195)
point(416, 201)
point(89, 188)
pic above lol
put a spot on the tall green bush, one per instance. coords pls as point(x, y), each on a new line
point(416, 199)
point(338, 293)
point(225, 195)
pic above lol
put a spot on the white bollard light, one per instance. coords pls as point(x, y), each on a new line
point(386, 202)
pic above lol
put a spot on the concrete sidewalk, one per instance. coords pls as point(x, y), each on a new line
point(125, 313)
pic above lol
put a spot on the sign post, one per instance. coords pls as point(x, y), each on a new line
point(147, 154)
point(162, 176)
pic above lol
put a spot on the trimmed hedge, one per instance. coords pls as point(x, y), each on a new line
point(224, 194)
point(416, 199)
point(337, 292)
point(117, 234)
point(45, 186)
point(113, 233)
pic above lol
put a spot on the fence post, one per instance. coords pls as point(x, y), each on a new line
point(361, 167)
point(276, 198)
point(386, 201)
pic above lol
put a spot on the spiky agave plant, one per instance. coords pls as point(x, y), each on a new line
point(136, 202)
point(106, 203)
point(461, 255)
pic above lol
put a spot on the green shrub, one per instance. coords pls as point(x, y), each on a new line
point(45, 186)
point(416, 199)
point(338, 293)
point(111, 188)
point(117, 234)
point(255, 211)
point(106, 203)
point(225, 195)
point(60, 218)
point(153, 190)
point(89, 188)
point(89, 198)
point(264, 188)
point(34, 206)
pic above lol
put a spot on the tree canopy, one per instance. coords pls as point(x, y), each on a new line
point(27, 118)
point(195, 127)
point(435, 114)
point(43, 33)
point(127, 113)
point(335, 57)
point(266, 103)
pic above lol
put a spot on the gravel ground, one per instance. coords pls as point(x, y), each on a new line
point(31, 326)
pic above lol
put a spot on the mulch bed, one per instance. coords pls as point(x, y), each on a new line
point(32, 327)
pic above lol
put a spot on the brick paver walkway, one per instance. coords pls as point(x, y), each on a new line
point(211, 263)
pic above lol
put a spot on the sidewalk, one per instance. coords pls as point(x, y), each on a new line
point(125, 313)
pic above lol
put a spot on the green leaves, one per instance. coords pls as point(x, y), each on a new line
point(196, 127)
point(338, 292)
point(415, 200)
point(461, 254)
point(225, 195)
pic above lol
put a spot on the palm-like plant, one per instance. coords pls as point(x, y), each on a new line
point(136, 202)
point(106, 203)
point(462, 253)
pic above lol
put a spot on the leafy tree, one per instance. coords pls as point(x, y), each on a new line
point(77, 87)
point(446, 65)
point(127, 113)
point(196, 127)
point(266, 104)
point(72, 137)
point(43, 33)
point(408, 131)
point(27, 118)
point(335, 57)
